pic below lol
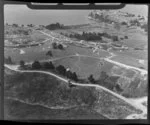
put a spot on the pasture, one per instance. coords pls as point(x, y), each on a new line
point(84, 66)
point(128, 60)
point(116, 70)
point(39, 52)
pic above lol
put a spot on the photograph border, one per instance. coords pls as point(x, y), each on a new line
point(2, 3)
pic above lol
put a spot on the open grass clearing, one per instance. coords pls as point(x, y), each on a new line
point(84, 66)
point(127, 60)
point(39, 52)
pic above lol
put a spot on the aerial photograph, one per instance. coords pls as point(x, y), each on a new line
point(75, 64)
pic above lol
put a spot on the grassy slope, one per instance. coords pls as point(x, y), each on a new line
point(39, 88)
point(84, 66)
point(16, 110)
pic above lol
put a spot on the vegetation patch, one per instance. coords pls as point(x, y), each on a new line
point(113, 107)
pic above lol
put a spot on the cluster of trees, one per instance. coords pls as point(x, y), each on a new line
point(87, 36)
point(106, 81)
point(57, 46)
point(25, 32)
point(30, 25)
point(36, 65)
point(49, 53)
point(21, 31)
point(55, 26)
point(15, 25)
point(134, 22)
point(91, 36)
point(125, 37)
point(124, 23)
point(130, 15)
point(101, 18)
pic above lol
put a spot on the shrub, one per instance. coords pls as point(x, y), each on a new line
point(36, 65)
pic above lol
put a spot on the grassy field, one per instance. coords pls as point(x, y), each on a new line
point(136, 40)
point(35, 35)
point(84, 66)
point(31, 54)
point(116, 70)
point(128, 61)
point(39, 52)
point(15, 110)
point(137, 54)
point(32, 35)
point(129, 73)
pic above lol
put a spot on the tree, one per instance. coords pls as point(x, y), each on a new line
point(30, 25)
point(74, 76)
point(115, 38)
point(124, 23)
point(61, 69)
point(91, 79)
point(48, 65)
point(9, 60)
point(60, 46)
point(15, 25)
point(118, 88)
point(49, 53)
point(54, 45)
point(22, 64)
point(36, 65)
point(125, 37)
point(69, 74)
point(51, 65)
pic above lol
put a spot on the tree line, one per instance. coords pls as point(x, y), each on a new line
point(36, 65)
point(57, 46)
point(91, 36)
point(107, 81)
point(55, 26)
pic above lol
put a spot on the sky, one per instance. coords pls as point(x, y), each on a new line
point(21, 14)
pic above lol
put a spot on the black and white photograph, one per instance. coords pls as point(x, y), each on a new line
point(76, 64)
